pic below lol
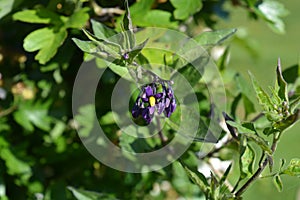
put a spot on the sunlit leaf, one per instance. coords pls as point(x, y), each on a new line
point(247, 161)
point(45, 40)
point(183, 8)
point(81, 194)
point(78, 19)
point(85, 119)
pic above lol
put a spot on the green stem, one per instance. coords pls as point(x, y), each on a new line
point(262, 166)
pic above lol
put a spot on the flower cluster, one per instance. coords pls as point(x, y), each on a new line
point(157, 96)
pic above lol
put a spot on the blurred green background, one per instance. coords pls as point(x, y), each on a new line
point(269, 46)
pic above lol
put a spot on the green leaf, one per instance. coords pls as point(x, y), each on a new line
point(30, 114)
point(241, 128)
point(39, 15)
point(142, 15)
point(101, 31)
point(184, 9)
point(277, 182)
point(136, 50)
point(247, 161)
point(293, 169)
point(199, 179)
point(86, 46)
point(46, 41)
point(78, 19)
point(265, 100)
point(85, 119)
point(224, 177)
point(107, 47)
point(81, 194)
point(259, 141)
point(212, 38)
point(294, 105)
point(291, 74)
point(6, 6)
point(15, 166)
point(272, 11)
point(282, 92)
point(128, 28)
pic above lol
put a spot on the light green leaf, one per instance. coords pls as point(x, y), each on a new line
point(46, 41)
point(277, 182)
point(6, 6)
point(112, 49)
point(247, 161)
point(81, 194)
point(101, 31)
point(272, 11)
point(186, 8)
point(129, 38)
point(78, 19)
point(212, 38)
point(15, 165)
point(86, 46)
point(241, 129)
point(30, 114)
point(85, 119)
point(259, 141)
point(293, 169)
point(39, 15)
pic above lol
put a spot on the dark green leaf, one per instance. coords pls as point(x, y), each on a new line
point(183, 8)
point(282, 92)
point(241, 128)
point(291, 74)
point(224, 177)
point(294, 105)
point(277, 182)
point(46, 41)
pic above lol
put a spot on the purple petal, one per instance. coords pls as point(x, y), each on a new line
point(149, 91)
point(158, 95)
point(151, 110)
point(160, 107)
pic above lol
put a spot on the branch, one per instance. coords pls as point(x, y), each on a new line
point(104, 11)
point(7, 111)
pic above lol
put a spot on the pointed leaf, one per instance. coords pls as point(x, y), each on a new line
point(247, 161)
point(128, 28)
point(212, 38)
point(283, 92)
point(89, 195)
point(101, 31)
point(260, 141)
point(39, 15)
point(136, 50)
point(199, 179)
point(277, 182)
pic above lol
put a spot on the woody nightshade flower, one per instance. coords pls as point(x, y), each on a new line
point(149, 101)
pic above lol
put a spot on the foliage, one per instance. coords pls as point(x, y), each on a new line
point(41, 154)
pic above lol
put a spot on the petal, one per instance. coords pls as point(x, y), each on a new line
point(149, 91)
point(158, 95)
point(160, 107)
point(151, 110)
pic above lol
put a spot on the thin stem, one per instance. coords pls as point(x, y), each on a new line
point(103, 11)
point(216, 150)
point(163, 139)
point(7, 111)
point(261, 167)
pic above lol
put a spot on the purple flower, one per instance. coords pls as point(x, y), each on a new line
point(150, 100)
